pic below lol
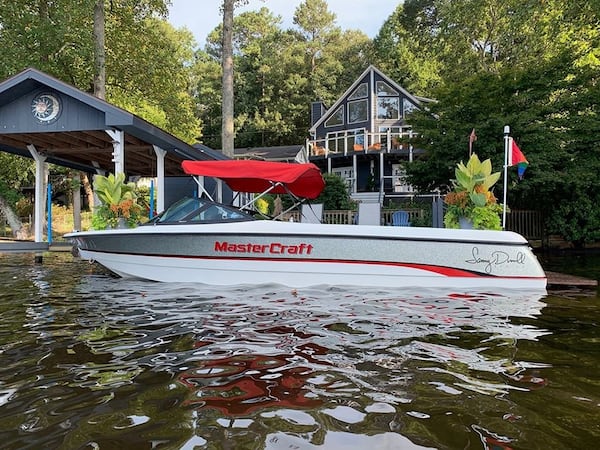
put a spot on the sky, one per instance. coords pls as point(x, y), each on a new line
point(202, 16)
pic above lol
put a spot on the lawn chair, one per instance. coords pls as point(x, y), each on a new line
point(400, 219)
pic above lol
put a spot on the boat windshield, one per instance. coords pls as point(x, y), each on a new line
point(199, 210)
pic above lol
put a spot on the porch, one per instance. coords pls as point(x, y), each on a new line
point(349, 142)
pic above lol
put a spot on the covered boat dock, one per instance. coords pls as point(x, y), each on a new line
point(50, 121)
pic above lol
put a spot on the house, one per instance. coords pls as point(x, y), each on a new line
point(364, 136)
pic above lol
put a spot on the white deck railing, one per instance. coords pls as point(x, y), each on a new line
point(350, 142)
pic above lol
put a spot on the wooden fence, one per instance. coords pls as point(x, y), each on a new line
point(529, 224)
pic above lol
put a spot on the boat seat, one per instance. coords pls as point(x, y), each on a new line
point(400, 219)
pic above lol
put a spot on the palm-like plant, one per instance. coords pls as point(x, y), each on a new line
point(472, 197)
point(118, 201)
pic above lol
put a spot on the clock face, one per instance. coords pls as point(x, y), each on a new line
point(46, 107)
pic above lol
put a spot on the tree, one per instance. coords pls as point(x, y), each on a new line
point(99, 51)
point(282, 71)
point(16, 173)
point(555, 132)
point(403, 55)
point(227, 66)
point(57, 37)
point(335, 194)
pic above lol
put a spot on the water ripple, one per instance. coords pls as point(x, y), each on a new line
point(94, 361)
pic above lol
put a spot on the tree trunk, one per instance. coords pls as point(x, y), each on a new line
point(227, 136)
point(13, 220)
point(77, 206)
point(99, 52)
point(89, 192)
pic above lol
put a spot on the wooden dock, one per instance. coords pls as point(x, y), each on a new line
point(563, 280)
point(22, 246)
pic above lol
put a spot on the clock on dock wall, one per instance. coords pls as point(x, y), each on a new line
point(46, 107)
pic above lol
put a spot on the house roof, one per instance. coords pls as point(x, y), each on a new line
point(75, 136)
point(284, 153)
point(414, 99)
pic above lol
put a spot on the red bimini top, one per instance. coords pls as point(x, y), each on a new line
point(302, 180)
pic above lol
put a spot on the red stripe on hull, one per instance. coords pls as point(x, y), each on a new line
point(440, 270)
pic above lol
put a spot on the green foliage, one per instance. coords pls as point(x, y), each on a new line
point(481, 217)
point(471, 197)
point(531, 65)
point(278, 73)
point(112, 189)
point(335, 194)
point(152, 81)
point(118, 201)
point(401, 52)
point(262, 205)
point(575, 214)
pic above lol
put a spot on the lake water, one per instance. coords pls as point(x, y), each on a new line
point(89, 361)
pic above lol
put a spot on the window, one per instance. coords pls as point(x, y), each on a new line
point(345, 173)
point(342, 141)
point(358, 111)
point(400, 180)
point(360, 92)
point(337, 118)
point(388, 108)
point(336, 141)
point(408, 107)
point(385, 90)
point(388, 102)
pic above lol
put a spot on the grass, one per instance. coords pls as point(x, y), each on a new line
point(62, 223)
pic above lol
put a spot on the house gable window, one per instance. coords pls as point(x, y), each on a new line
point(358, 111)
point(360, 92)
point(385, 90)
point(408, 107)
point(337, 118)
point(388, 102)
point(388, 108)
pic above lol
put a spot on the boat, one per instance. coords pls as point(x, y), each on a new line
point(201, 240)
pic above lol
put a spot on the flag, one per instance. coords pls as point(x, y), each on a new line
point(517, 158)
point(472, 138)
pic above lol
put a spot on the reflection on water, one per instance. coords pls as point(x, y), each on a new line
point(90, 361)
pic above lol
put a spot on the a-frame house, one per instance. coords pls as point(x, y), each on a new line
point(365, 137)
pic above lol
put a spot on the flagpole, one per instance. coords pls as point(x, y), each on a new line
point(506, 150)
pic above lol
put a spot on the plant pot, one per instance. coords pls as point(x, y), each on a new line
point(121, 223)
point(465, 223)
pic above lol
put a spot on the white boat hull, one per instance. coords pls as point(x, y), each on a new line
point(300, 255)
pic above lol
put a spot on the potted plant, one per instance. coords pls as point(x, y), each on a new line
point(119, 207)
point(471, 203)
